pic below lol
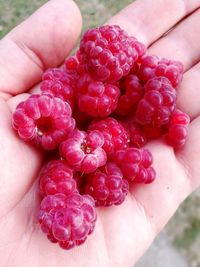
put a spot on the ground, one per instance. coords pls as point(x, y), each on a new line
point(184, 227)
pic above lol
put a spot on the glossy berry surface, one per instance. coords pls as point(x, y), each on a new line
point(67, 220)
point(59, 83)
point(43, 119)
point(84, 152)
point(56, 177)
point(108, 53)
point(135, 165)
point(178, 129)
point(137, 135)
point(96, 98)
point(158, 103)
point(115, 136)
point(153, 66)
point(131, 93)
point(106, 185)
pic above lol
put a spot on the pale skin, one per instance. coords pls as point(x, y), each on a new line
point(122, 233)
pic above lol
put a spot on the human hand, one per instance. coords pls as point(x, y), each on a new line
point(122, 233)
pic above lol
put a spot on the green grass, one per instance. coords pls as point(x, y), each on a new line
point(94, 12)
point(13, 12)
point(189, 235)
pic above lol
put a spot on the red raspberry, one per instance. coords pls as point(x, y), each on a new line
point(56, 177)
point(136, 133)
point(152, 66)
point(136, 164)
point(107, 185)
point(84, 152)
point(43, 119)
point(115, 136)
point(67, 220)
point(154, 132)
point(157, 104)
point(71, 66)
point(132, 92)
point(108, 53)
point(59, 83)
point(178, 129)
point(96, 98)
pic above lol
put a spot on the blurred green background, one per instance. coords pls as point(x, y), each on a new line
point(184, 228)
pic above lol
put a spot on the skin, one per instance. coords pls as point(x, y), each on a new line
point(122, 233)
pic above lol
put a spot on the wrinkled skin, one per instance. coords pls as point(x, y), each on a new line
point(122, 233)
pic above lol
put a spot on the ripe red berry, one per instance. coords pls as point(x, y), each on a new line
point(96, 98)
point(137, 136)
point(153, 66)
point(154, 132)
point(43, 119)
point(84, 152)
point(108, 53)
point(56, 177)
point(131, 93)
point(115, 136)
point(106, 185)
point(178, 129)
point(67, 220)
point(59, 83)
point(158, 103)
point(71, 66)
point(136, 164)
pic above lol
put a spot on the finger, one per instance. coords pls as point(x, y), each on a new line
point(160, 199)
point(189, 92)
point(190, 154)
point(182, 43)
point(42, 41)
point(148, 21)
point(19, 163)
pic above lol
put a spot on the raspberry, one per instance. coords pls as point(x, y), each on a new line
point(153, 132)
point(59, 83)
point(108, 53)
point(56, 177)
point(152, 66)
point(67, 220)
point(95, 98)
point(115, 136)
point(136, 164)
point(71, 66)
point(84, 152)
point(107, 185)
point(178, 129)
point(132, 92)
point(43, 119)
point(157, 104)
point(136, 133)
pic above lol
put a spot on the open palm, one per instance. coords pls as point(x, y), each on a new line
point(122, 233)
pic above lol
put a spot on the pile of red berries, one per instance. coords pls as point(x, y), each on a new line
point(99, 111)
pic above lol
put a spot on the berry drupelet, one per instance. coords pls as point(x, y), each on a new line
point(56, 177)
point(67, 220)
point(108, 53)
point(95, 98)
point(106, 185)
point(84, 152)
point(131, 93)
point(115, 136)
point(135, 165)
point(158, 103)
point(43, 119)
point(153, 66)
point(178, 129)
